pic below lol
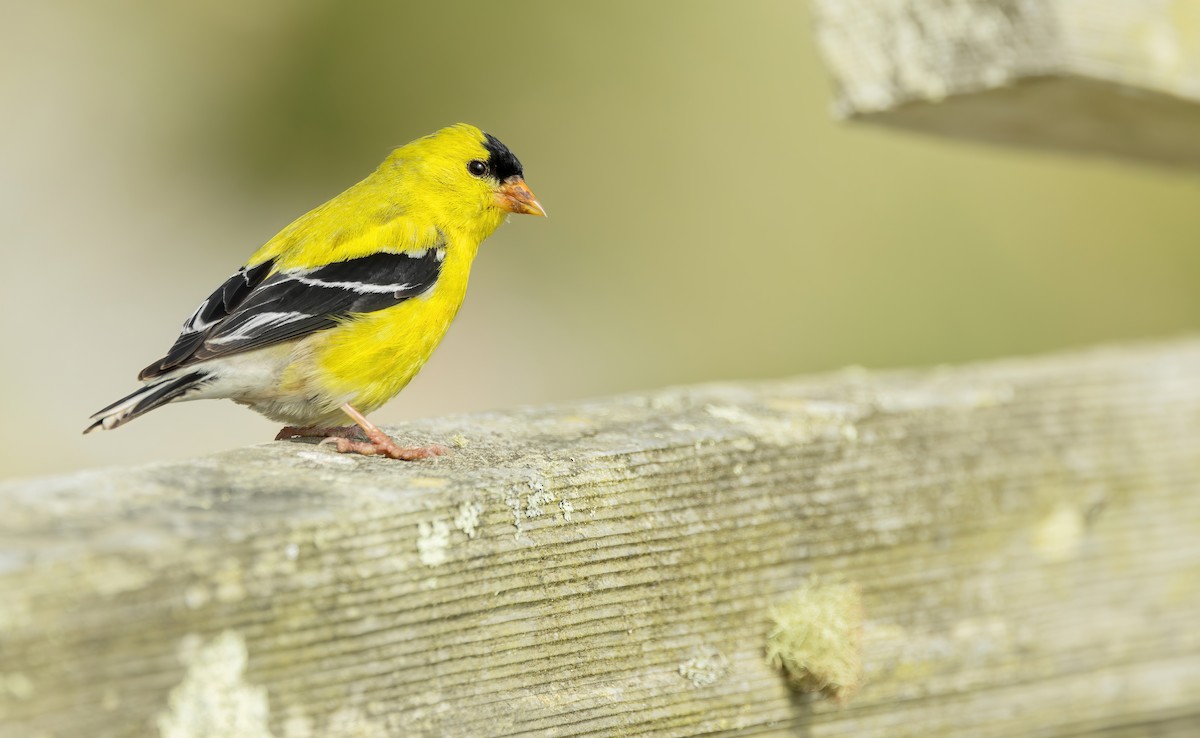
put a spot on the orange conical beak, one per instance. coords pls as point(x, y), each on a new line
point(516, 197)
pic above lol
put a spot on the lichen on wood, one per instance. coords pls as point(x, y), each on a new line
point(817, 638)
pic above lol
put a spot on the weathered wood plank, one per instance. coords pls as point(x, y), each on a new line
point(1025, 536)
point(1118, 77)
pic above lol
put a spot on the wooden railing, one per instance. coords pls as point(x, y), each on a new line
point(1001, 549)
point(1113, 77)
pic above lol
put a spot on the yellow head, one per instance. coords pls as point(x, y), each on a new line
point(464, 178)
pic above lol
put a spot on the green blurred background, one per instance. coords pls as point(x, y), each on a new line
point(709, 220)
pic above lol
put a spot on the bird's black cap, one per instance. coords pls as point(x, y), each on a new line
point(501, 162)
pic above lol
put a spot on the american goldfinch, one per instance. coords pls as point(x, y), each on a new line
point(339, 311)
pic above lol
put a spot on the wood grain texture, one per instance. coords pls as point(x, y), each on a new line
point(1025, 536)
point(1120, 77)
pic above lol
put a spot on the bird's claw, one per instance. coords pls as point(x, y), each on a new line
point(388, 448)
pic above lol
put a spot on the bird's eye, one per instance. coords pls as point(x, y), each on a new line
point(477, 168)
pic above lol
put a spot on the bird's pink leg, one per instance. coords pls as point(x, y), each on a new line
point(316, 431)
point(379, 443)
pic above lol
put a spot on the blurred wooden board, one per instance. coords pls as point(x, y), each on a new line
point(1025, 535)
point(1120, 77)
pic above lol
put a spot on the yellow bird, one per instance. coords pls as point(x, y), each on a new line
point(339, 311)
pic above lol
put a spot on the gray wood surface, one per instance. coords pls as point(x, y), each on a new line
point(1118, 77)
point(1018, 544)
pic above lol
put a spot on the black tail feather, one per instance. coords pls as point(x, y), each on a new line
point(146, 399)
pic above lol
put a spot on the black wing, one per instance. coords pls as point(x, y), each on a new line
point(219, 305)
point(251, 310)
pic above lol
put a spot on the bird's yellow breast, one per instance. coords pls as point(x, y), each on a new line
point(368, 359)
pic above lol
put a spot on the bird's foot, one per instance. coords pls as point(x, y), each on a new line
point(385, 446)
point(374, 442)
point(352, 432)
